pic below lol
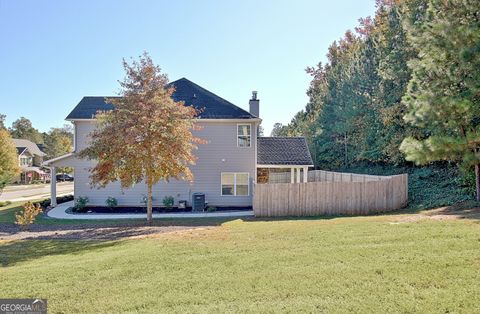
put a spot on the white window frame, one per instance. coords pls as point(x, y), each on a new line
point(235, 183)
point(25, 160)
point(250, 135)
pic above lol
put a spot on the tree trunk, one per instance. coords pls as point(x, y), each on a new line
point(477, 181)
point(149, 203)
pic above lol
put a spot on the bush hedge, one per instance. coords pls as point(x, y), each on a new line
point(60, 199)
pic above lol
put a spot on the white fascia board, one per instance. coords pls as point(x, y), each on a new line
point(284, 166)
point(196, 120)
point(50, 161)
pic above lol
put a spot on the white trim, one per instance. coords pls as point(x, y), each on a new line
point(284, 166)
point(249, 120)
point(238, 135)
point(48, 162)
point(235, 183)
point(53, 186)
point(73, 120)
point(74, 135)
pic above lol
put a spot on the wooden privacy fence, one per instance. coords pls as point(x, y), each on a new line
point(331, 194)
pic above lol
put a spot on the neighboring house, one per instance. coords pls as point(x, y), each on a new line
point(227, 165)
point(30, 159)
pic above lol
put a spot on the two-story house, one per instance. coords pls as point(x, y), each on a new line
point(30, 159)
point(226, 166)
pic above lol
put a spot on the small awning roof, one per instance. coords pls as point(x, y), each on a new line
point(283, 151)
point(55, 161)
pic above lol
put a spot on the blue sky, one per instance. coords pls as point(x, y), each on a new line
point(52, 53)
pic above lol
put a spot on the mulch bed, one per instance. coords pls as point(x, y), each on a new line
point(143, 210)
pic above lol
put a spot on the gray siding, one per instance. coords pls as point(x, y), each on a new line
point(221, 154)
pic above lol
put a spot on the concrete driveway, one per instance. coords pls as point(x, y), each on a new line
point(16, 193)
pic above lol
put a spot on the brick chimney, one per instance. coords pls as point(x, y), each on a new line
point(254, 105)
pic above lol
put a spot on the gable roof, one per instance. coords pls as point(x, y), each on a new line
point(283, 151)
point(22, 144)
point(212, 106)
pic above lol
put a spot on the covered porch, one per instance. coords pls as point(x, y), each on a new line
point(282, 160)
point(282, 173)
point(53, 165)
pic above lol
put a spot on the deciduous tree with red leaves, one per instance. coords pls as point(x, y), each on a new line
point(147, 137)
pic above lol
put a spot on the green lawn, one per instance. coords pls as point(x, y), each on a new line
point(7, 215)
point(363, 265)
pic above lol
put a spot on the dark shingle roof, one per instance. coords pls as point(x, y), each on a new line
point(22, 144)
point(212, 106)
point(283, 151)
point(20, 150)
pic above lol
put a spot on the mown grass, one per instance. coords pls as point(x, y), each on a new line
point(7, 215)
point(362, 265)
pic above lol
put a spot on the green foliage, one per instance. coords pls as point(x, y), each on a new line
point(147, 137)
point(22, 128)
point(277, 129)
point(168, 201)
point(362, 265)
point(211, 209)
point(443, 95)
point(58, 141)
point(111, 202)
point(60, 199)
point(429, 187)
point(5, 203)
point(355, 113)
point(414, 58)
point(2, 121)
point(81, 203)
point(8, 159)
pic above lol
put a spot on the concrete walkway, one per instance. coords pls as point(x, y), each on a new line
point(59, 212)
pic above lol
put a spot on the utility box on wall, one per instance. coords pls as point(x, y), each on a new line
point(198, 202)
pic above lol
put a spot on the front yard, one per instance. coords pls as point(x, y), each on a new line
point(394, 263)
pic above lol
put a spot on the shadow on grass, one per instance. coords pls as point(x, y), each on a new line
point(12, 253)
point(102, 231)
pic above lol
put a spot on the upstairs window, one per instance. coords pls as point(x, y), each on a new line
point(235, 184)
point(243, 135)
point(25, 161)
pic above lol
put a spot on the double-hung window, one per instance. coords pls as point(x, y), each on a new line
point(235, 184)
point(244, 132)
point(25, 161)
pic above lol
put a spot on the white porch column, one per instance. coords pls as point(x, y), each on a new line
point(53, 186)
point(298, 175)
point(292, 175)
point(305, 174)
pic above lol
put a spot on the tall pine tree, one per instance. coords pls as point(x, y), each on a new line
point(443, 96)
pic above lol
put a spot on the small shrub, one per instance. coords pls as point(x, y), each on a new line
point(81, 203)
point(44, 203)
point(111, 202)
point(27, 217)
point(168, 201)
point(211, 209)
